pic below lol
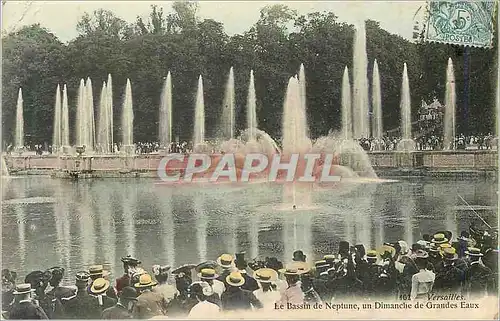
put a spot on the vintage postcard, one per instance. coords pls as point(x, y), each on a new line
point(250, 159)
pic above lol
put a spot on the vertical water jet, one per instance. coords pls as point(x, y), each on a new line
point(128, 121)
point(377, 128)
point(406, 143)
point(165, 129)
point(228, 117)
point(103, 134)
point(109, 104)
point(89, 109)
point(251, 108)
point(360, 84)
point(199, 119)
point(346, 106)
point(19, 135)
point(65, 120)
point(56, 135)
point(450, 108)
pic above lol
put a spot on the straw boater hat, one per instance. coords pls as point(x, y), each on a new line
point(302, 267)
point(371, 254)
point(82, 276)
point(439, 238)
point(99, 286)
point(291, 271)
point(450, 254)
point(97, 269)
point(434, 248)
point(225, 261)
point(145, 281)
point(235, 279)
point(473, 251)
point(265, 275)
point(421, 254)
point(329, 258)
point(208, 274)
point(387, 248)
point(23, 288)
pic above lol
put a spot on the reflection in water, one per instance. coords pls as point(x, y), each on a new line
point(167, 220)
point(372, 214)
point(86, 222)
point(201, 226)
point(129, 210)
point(63, 224)
point(19, 210)
point(108, 231)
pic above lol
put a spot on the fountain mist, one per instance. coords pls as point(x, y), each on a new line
point(56, 135)
point(19, 137)
point(295, 139)
point(65, 119)
point(252, 108)
point(228, 108)
point(128, 120)
point(360, 82)
point(165, 129)
point(450, 108)
point(199, 119)
point(346, 106)
point(302, 83)
point(406, 143)
point(377, 129)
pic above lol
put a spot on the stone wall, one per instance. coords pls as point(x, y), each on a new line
point(421, 160)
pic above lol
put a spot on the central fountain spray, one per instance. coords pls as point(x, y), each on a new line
point(65, 122)
point(85, 128)
point(104, 134)
point(199, 120)
point(165, 129)
point(377, 128)
point(19, 137)
point(128, 121)
point(361, 119)
point(450, 108)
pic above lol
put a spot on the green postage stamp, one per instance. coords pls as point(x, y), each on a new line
point(463, 23)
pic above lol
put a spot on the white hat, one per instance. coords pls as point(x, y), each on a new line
point(404, 247)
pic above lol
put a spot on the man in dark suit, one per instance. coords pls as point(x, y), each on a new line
point(235, 298)
point(58, 291)
point(81, 305)
point(250, 283)
point(478, 278)
point(123, 308)
point(23, 307)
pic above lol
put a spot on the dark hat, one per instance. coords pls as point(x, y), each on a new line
point(129, 260)
point(426, 237)
point(239, 261)
point(128, 293)
point(201, 287)
point(421, 254)
point(329, 258)
point(160, 270)
point(473, 251)
point(321, 265)
point(206, 265)
point(97, 270)
point(208, 274)
point(36, 277)
point(82, 276)
point(23, 289)
point(344, 246)
point(360, 248)
point(57, 272)
point(186, 269)
point(299, 256)
point(464, 235)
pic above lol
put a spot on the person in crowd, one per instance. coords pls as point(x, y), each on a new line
point(210, 277)
point(235, 298)
point(225, 261)
point(449, 278)
point(241, 264)
point(204, 309)
point(293, 293)
point(8, 288)
point(81, 305)
point(124, 307)
point(24, 308)
point(267, 293)
point(149, 303)
point(422, 281)
point(58, 291)
point(478, 278)
point(96, 272)
point(39, 282)
point(98, 290)
point(168, 291)
point(129, 263)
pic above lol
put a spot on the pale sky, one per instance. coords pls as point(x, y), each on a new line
point(61, 17)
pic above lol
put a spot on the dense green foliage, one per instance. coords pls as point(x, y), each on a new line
point(187, 46)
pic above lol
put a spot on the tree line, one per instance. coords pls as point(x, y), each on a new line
point(187, 46)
